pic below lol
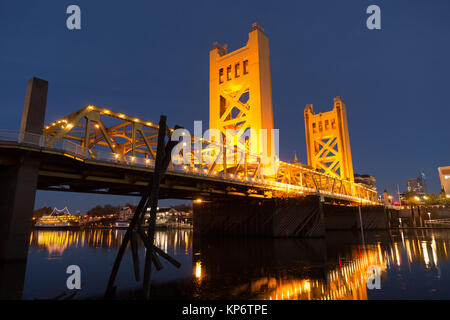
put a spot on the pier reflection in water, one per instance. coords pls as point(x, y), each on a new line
point(412, 265)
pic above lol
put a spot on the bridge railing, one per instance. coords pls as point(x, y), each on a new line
point(292, 179)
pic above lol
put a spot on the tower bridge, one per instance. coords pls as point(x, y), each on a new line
point(98, 150)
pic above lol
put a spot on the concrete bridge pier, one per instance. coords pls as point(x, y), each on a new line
point(303, 217)
point(290, 217)
point(18, 189)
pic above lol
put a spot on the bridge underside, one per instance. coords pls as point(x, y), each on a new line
point(62, 172)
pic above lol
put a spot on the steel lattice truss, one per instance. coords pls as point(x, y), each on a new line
point(104, 135)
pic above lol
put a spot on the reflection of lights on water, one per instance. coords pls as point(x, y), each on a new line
point(397, 254)
point(408, 251)
point(345, 282)
point(433, 250)
point(198, 270)
point(426, 259)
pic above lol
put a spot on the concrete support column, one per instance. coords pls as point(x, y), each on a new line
point(17, 194)
point(18, 187)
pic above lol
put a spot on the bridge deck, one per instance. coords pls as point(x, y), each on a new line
point(64, 168)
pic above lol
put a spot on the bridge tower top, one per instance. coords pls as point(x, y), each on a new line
point(328, 142)
point(240, 89)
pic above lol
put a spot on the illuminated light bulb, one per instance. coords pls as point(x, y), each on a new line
point(69, 126)
point(107, 111)
point(132, 158)
point(121, 116)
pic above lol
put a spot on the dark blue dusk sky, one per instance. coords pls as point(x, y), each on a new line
point(146, 58)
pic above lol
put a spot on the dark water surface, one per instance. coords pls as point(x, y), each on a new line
point(413, 265)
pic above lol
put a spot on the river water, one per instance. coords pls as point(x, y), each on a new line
point(380, 265)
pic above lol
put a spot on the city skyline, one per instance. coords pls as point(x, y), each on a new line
point(386, 77)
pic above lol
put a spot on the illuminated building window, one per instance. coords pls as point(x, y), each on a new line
point(221, 75)
point(228, 73)
point(245, 66)
point(320, 125)
point(236, 70)
point(326, 124)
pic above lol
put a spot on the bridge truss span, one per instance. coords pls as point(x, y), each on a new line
point(99, 135)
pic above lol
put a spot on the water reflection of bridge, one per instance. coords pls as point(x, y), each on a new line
point(331, 268)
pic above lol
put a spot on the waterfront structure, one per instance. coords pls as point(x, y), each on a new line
point(444, 176)
point(366, 180)
point(328, 141)
point(58, 219)
point(240, 92)
point(418, 185)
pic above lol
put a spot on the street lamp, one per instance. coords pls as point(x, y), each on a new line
point(429, 215)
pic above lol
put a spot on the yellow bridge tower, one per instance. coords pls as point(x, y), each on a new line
point(240, 91)
point(328, 142)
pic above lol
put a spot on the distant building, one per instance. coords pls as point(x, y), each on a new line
point(387, 198)
point(418, 185)
point(366, 180)
point(444, 175)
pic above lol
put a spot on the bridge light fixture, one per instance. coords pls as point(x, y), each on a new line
point(149, 123)
point(90, 107)
point(116, 155)
point(133, 158)
point(147, 160)
point(198, 200)
point(69, 126)
point(121, 116)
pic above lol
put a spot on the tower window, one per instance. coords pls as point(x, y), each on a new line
point(229, 72)
point(245, 66)
point(236, 70)
point(220, 75)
